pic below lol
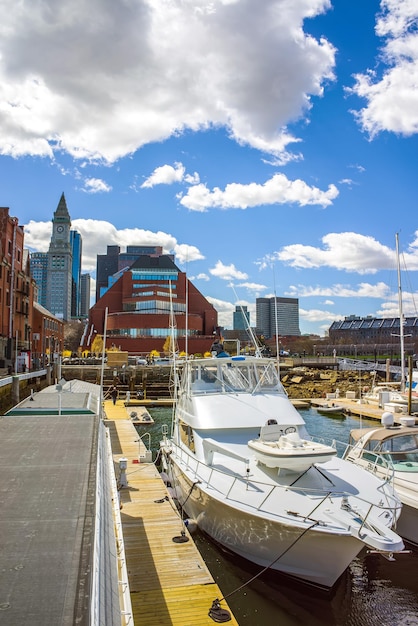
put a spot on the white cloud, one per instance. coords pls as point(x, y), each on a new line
point(319, 315)
point(363, 290)
point(358, 167)
point(392, 97)
point(348, 251)
point(227, 272)
point(96, 185)
point(277, 190)
point(184, 253)
point(38, 236)
point(98, 234)
point(201, 276)
point(252, 286)
point(167, 174)
point(159, 68)
point(390, 308)
point(225, 311)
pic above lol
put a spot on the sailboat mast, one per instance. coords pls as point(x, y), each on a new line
point(276, 322)
point(401, 328)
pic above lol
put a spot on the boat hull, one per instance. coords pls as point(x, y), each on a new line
point(338, 412)
point(316, 556)
point(407, 526)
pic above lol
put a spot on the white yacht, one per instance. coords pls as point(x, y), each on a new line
point(392, 450)
point(242, 464)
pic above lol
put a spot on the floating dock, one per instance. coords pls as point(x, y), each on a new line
point(168, 579)
point(50, 516)
point(359, 409)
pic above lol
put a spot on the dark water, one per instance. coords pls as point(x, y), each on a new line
point(372, 592)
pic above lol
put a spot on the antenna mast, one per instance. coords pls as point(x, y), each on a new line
point(276, 322)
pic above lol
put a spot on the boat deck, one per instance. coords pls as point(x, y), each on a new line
point(169, 581)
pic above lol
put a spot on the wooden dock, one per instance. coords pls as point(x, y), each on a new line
point(169, 581)
point(359, 409)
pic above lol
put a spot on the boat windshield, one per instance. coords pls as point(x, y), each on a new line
point(402, 451)
point(225, 376)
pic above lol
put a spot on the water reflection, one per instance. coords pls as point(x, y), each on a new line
point(372, 592)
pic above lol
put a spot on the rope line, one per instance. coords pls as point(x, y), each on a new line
point(271, 564)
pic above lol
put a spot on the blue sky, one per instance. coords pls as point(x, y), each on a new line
point(271, 145)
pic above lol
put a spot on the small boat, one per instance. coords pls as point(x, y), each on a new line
point(242, 464)
point(388, 451)
point(331, 409)
point(286, 450)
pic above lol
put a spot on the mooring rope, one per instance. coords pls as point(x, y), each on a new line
point(222, 615)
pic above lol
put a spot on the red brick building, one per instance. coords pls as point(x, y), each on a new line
point(16, 292)
point(47, 340)
point(27, 330)
point(139, 305)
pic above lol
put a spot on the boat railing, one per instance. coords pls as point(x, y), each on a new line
point(235, 486)
point(376, 462)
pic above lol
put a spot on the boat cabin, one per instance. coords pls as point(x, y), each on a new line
point(397, 444)
point(234, 374)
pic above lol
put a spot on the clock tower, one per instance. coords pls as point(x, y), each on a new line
point(59, 272)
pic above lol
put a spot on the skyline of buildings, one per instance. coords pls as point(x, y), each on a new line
point(27, 330)
point(64, 261)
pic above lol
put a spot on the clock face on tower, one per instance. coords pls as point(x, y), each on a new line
point(60, 229)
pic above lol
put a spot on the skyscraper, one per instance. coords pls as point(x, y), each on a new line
point(107, 265)
point(76, 248)
point(241, 318)
point(286, 310)
point(85, 284)
point(60, 258)
point(39, 270)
